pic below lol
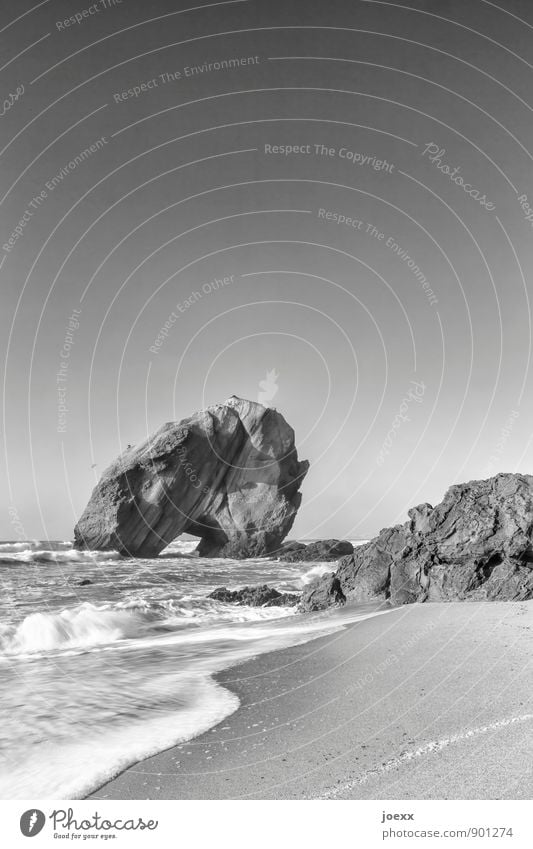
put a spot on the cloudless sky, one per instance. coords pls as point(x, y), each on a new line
point(395, 391)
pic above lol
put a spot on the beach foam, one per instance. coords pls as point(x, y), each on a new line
point(106, 660)
point(78, 765)
point(141, 701)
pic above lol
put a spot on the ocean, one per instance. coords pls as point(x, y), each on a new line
point(97, 675)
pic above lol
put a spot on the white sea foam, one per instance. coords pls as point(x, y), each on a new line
point(88, 626)
point(316, 571)
point(85, 626)
point(14, 546)
point(324, 568)
point(91, 720)
point(76, 766)
point(107, 660)
point(13, 555)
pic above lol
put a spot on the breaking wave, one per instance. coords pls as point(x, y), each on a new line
point(11, 556)
point(106, 660)
point(87, 626)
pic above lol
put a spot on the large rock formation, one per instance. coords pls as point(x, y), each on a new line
point(229, 475)
point(476, 544)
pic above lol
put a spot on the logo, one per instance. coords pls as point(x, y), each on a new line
point(32, 822)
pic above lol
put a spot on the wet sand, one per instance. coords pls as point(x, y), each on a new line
point(430, 701)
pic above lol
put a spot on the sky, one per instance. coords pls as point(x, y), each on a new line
point(331, 200)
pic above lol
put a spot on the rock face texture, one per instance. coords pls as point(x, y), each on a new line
point(320, 551)
point(325, 592)
point(262, 596)
point(476, 544)
point(229, 475)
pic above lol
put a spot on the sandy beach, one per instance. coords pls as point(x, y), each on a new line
point(429, 701)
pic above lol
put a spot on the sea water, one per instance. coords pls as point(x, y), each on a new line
point(105, 660)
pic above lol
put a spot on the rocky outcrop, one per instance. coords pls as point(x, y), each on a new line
point(325, 592)
point(229, 475)
point(262, 596)
point(321, 551)
point(476, 544)
point(289, 548)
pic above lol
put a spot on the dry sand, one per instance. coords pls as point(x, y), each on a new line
point(428, 701)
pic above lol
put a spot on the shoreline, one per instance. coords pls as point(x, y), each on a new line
point(429, 702)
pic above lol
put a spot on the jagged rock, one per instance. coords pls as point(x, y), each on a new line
point(262, 596)
point(321, 551)
point(229, 475)
point(326, 592)
point(476, 544)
